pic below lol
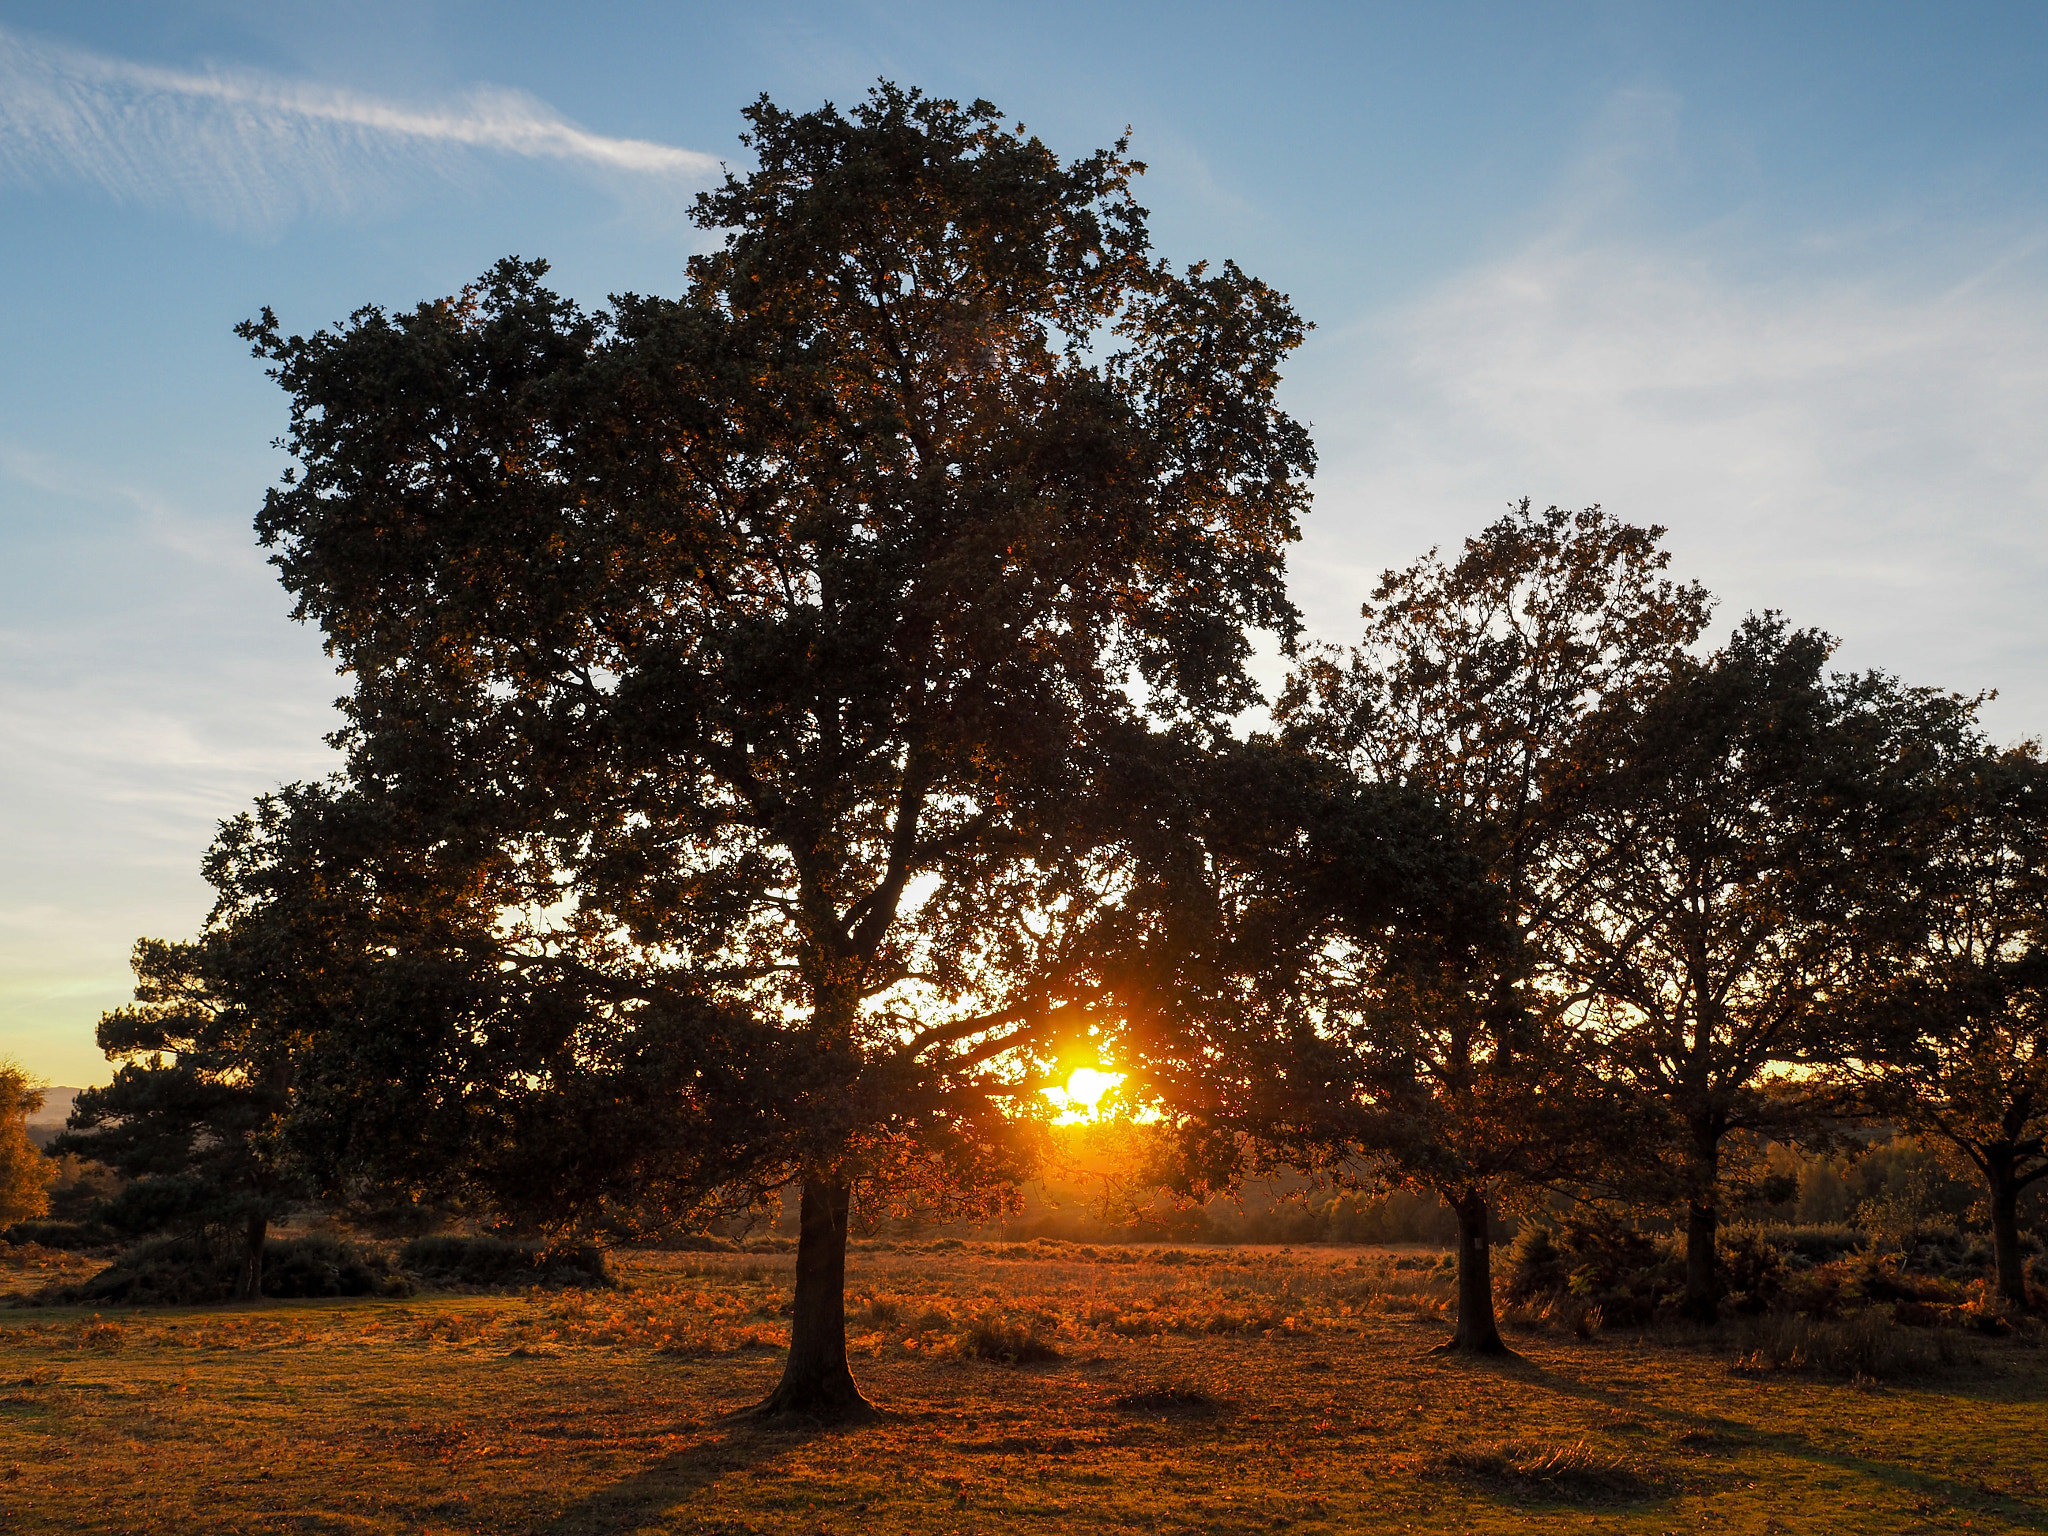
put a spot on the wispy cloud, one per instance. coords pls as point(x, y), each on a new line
point(251, 150)
point(1843, 425)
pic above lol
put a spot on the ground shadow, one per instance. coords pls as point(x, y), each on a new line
point(1734, 1435)
point(732, 1444)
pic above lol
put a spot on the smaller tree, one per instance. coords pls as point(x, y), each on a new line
point(1742, 847)
point(1474, 688)
point(24, 1172)
point(189, 1115)
point(1959, 1007)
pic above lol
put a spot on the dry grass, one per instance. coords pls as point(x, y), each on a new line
point(1232, 1391)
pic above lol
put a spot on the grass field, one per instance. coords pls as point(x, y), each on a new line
point(1233, 1390)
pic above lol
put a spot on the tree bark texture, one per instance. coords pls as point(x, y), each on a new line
point(1702, 1226)
point(816, 1381)
point(1478, 1333)
point(250, 1284)
point(2005, 1234)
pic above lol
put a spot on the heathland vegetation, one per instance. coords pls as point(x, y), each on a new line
point(794, 725)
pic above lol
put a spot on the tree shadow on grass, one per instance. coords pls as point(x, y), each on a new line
point(1729, 1435)
point(647, 1498)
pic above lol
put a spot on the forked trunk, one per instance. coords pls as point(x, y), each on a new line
point(1477, 1333)
point(816, 1381)
point(2005, 1234)
point(249, 1285)
point(1702, 1227)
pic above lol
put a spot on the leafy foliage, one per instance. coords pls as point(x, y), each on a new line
point(738, 679)
point(1478, 684)
point(25, 1173)
point(1956, 1004)
point(190, 1117)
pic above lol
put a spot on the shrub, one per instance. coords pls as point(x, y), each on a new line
point(1627, 1276)
point(1013, 1337)
point(68, 1235)
point(1570, 1469)
point(1812, 1244)
point(1752, 1271)
point(322, 1266)
point(1866, 1345)
point(198, 1270)
point(492, 1261)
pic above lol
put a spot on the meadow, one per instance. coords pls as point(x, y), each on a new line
point(1020, 1387)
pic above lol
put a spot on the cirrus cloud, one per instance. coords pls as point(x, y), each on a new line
point(250, 150)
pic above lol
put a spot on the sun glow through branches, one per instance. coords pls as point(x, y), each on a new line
point(1082, 1096)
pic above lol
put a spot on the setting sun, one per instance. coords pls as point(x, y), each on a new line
point(1084, 1090)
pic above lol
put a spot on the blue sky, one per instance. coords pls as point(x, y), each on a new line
point(1774, 276)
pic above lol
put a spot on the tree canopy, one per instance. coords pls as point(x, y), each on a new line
point(763, 654)
point(1475, 686)
point(1953, 1002)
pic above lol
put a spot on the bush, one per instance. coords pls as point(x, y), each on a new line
point(492, 1261)
point(1013, 1338)
point(1752, 1271)
point(321, 1266)
point(198, 1270)
point(68, 1235)
point(1627, 1276)
point(1867, 1345)
point(1813, 1244)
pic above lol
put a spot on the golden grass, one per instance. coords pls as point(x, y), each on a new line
point(1232, 1391)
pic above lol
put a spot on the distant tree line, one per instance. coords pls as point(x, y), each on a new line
point(792, 725)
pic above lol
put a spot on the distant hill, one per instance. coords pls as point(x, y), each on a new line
point(46, 1122)
point(56, 1107)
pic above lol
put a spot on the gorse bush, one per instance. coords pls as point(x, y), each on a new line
point(322, 1266)
point(1816, 1244)
point(1633, 1278)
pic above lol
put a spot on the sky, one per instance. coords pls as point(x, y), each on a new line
point(1774, 277)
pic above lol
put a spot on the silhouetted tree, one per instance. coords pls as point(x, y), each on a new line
point(765, 649)
point(191, 1115)
point(1957, 1003)
point(1474, 687)
point(1257, 875)
point(1744, 843)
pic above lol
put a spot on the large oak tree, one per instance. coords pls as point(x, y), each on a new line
point(769, 647)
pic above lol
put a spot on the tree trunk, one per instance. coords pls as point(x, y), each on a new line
point(2005, 1233)
point(816, 1381)
point(250, 1285)
point(1478, 1333)
point(1702, 1225)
